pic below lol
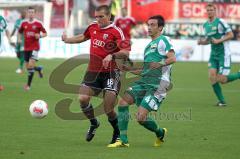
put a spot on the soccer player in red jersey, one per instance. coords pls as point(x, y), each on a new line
point(126, 23)
point(107, 44)
point(32, 30)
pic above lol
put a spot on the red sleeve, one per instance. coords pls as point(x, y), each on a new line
point(42, 29)
point(122, 43)
point(87, 32)
point(133, 22)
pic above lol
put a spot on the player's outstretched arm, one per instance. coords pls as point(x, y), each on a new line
point(171, 58)
point(75, 39)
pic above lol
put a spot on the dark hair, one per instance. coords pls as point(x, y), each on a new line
point(31, 8)
point(106, 8)
point(160, 19)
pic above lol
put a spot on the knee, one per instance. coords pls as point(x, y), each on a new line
point(123, 102)
point(222, 79)
point(212, 78)
point(84, 99)
point(141, 118)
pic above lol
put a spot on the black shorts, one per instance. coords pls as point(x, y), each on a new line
point(103, 81)
point(30, 55)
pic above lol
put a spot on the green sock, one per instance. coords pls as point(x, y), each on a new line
point(233, 77)
point(151, 125)
point(21, 62)
point(123, 118)
point(218, 91)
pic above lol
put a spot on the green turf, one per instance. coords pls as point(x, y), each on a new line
point(197, 129)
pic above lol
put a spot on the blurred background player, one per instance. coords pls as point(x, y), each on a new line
point(218, 34)
point(102, 73)
point(126, 23)
point(32, 30)
point(151, 89)
point(20, 45)
point(3, 28)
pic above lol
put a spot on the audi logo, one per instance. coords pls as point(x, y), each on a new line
point(98, 43)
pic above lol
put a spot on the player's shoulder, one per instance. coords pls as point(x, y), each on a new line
point(93, 24)
point(36, 21)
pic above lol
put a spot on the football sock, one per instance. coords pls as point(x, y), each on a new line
point(218, 91)
point(21, 60)
point(151, 125)
point(123, 119)
point(233, 77)
point(114, 123)
point(88, 111)
point(30, 76)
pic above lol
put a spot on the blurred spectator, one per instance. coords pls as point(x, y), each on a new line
point(140, 31)
point(182, 32)
point(126, 23)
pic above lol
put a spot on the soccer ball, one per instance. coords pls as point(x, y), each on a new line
point(38, 109)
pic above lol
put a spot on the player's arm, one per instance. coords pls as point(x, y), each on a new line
point(203, 41)
point(8, 36)
point(75, 39)
point(13, 32)
point(228, 36)
point(171, 58)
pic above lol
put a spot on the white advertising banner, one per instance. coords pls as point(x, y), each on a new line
point(186, 50)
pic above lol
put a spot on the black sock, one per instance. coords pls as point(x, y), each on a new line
point(88, 111)
point(114, 123)
point(30, 76)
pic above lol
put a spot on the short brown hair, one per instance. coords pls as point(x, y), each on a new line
point(106, 8)
point(211, 5)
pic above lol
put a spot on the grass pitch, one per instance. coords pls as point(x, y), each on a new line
point(197, 129)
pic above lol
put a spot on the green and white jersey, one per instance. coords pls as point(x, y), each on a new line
point(156, 51)
point(17, 26)
point(3, 27)
point(217, 29)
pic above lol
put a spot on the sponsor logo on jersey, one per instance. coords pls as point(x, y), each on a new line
point(99, 43)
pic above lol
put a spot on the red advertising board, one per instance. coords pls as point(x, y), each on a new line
point(141, 10)
point(197, 10)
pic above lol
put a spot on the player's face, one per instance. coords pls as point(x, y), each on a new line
point(31, 13)
point(102, 18)
point(153, 28)
point(211, 11)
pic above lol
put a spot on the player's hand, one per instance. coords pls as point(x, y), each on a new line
point(154, 65)
point(64, 36)
point(12, 44)
point(106, 61)
point(215, 41)
point(37, 36)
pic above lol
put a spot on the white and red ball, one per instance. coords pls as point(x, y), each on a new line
point(38, 109)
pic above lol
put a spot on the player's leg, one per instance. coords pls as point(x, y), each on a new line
point(152, 102)
point(109, 103)
point(37, 68)
point(87, 90)
point(224, 75)
point(123, 119)
point(21, 61)
point(111, 86)
point(213, 66)
point(27, 56)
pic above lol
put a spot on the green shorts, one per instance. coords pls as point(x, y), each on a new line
point(149, 96)
point(221, 63)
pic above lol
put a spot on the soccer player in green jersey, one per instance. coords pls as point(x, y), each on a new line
point(3, 28)
point(19, 48)
point(150, 90)
point(218, 33)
